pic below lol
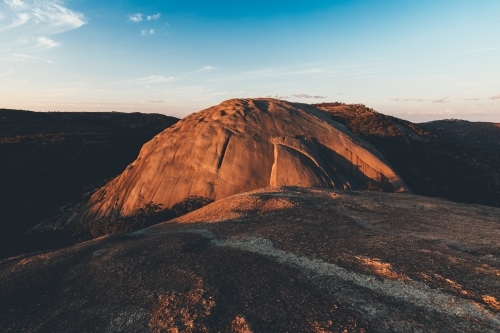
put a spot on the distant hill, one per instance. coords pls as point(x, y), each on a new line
point(55, 159)
point(434, 159)
point(481, 135)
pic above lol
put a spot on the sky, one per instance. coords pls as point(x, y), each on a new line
point(418, 60)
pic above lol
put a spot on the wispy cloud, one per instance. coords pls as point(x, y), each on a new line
point(151, 79)
point(46, 43)
point(28, 23)
point(16, 21)
point(307, 96)
point(14, 3)
point(206, 68)
point(135, 18)
point(440, 100)
point(276, 96)
point(57, 17)
point(468, 99)
point(494, 97)
point(153, 17)
point(160, 100)
point(18, 57)
point(146, 32)
point(407, 99)
point(218, 93)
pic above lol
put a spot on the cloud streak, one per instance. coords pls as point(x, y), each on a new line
point(308, 96)
point(151, 79)
point(440, 100)
point(276, 96)
point(468, 99)
point(18, 57)
point(160, 100)
point(407, 99)
point(494, 97)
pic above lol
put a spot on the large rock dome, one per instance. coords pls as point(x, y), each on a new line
point(243, 145)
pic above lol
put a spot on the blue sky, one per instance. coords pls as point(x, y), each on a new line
point(418, 60)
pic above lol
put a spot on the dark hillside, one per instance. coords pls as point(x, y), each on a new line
point(54, 160)
point(485, 136)
point(431, 163)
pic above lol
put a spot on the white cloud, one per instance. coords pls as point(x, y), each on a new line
point(47, 43)
point(139, 17)
point(153, 17)
point(135, 18)
point(307, 96)
point(147, 32)
point(495, 97)
point(160, 100)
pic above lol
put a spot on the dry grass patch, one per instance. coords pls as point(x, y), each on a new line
point(182, 312)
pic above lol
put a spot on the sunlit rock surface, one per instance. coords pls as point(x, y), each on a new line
point(242, 145)
point(273, 260)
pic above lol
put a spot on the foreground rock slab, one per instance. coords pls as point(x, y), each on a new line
point(282, 259)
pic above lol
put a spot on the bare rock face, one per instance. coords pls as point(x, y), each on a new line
point(273, 260)
point(242, 145)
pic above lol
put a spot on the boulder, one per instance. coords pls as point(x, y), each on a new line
point(243, 145)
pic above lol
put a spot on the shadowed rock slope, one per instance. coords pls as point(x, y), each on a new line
point(242, 145)
point(457, 160)
point(273, 260)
